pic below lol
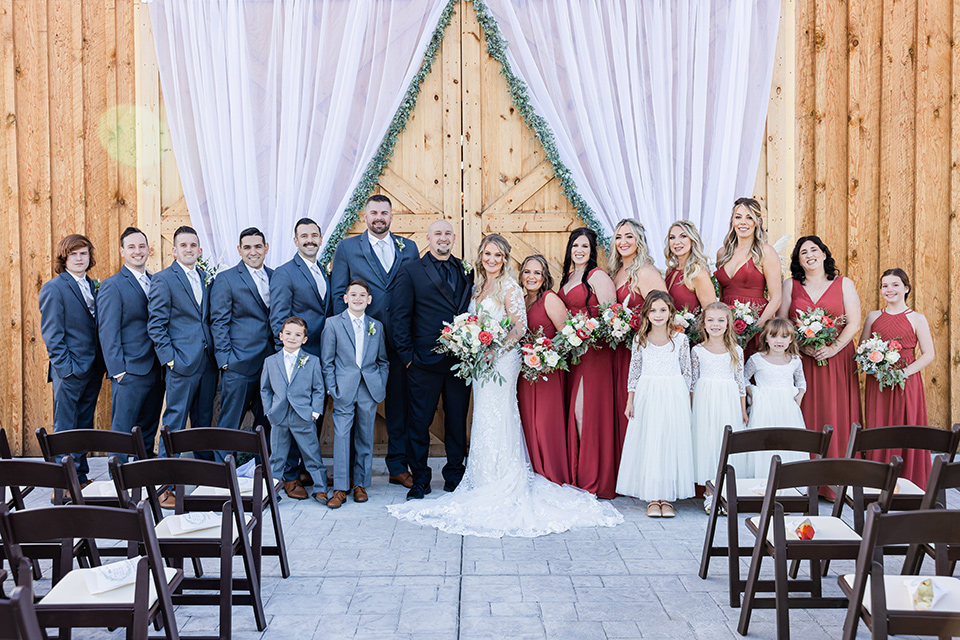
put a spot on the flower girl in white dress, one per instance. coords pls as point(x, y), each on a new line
point(719, 396)
point(657, 461)
point(776, 395)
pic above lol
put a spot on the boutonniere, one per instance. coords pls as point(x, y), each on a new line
point(96, 285)
point(371, 329)
point(302, 360)
point(328, 268)
point(467, 268)
point(399, 242)
point(209, 271)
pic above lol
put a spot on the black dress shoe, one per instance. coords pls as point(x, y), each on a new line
point(450, 486)
point(417, 491)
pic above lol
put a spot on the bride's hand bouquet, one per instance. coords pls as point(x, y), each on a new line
point(616, 326)
point(689, 323)
point(881, 359)
point(579, 334)
point(816, 328)
point(474, 340)
point(746, 321)
point(540, 356)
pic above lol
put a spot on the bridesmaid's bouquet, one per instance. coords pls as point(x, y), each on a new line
point(746, 321)
point(816, 328)
point(540, 356)
point(689, 323)
point(616, 326)
point(469, 338)
point(578, 334)
point(881, 359)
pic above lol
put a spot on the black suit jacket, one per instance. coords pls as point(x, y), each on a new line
point(422, 302)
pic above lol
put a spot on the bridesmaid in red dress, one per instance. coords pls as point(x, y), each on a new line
point(552, 445)
point(900, 406)
point(634, 276)
point(590, 383)
point(748, 266)
point(688, 272)
point(833, 390)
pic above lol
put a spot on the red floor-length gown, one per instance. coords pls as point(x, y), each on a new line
point(621, 369)
point(597, 458)
point(682, 296)
point(899, 406)
point(551, 441)
point(746, 285)
point(833, 390)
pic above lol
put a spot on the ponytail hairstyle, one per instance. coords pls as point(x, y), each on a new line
point(778, 328)
point(729, 335)
point(645, 325)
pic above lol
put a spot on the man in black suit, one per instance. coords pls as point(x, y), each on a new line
point(429, 292)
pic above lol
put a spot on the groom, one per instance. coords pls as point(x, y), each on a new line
point(429, 292)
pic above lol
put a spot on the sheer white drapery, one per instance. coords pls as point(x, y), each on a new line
point(276, 106)
point(657, 107)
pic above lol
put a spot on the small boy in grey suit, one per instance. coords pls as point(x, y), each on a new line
point(291, 387)
point(355, 369)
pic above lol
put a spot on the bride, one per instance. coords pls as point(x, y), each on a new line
point(499, 494)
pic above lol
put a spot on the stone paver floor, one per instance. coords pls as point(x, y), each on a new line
point(359, 573)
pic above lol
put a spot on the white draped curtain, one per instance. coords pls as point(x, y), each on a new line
point(276, 106)
point(657, 106)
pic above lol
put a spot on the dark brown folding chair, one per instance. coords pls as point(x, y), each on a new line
point(255, 443)
point(834, 539)
point(734, 495)
point(71, 602)
point(194, 532)
point(944, 475)
point(884, 602)
point(18, 618)
point(6, 454)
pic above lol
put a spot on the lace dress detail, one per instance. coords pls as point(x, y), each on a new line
point(717, 391)
point(769, 374)
point(706, 364)
point(499, 494)
point(773, 405)
point(652, 360)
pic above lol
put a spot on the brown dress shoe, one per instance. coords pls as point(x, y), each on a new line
point(168, 499)
point(295, 490)
point(359, 494)
point(404, 479)
point(338, 498)
point(320, 497)
point(305, 479)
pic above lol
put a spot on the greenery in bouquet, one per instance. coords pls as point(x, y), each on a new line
point(616, 323)
point(746, 321)
point(816, 328)
point(473, 340)
point(540, 356)
point(881, 359)
point(689, 323)
point(579, 334)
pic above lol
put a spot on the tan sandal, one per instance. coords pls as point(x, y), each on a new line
point(653, 509)
point(666, 509)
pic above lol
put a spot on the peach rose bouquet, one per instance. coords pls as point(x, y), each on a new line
point(540, 356)
point(816, 328)
point(881, 359)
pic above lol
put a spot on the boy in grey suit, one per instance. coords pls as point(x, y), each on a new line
point(291, 387)
point(355, 369)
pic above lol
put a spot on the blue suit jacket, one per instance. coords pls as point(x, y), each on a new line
point(355, 258)
point(178, 326)
point(293, 292)
point(68, 330)
point(239, 321)
point(304, 392)
point(122, 325)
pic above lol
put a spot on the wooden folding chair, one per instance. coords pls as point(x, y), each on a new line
point(944, 475)
point(193, 532)
point(255, 443)
point(72, 602)
point(735, 495)
point(884, 602)
point(834, 538)
point(18, 618)
point(6, 454)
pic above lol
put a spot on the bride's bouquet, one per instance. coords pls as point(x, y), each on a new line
point(881, 359)
point(816, 328)
point(616, 324)
point(470, 338)
point(578, 334)
point(540, 356)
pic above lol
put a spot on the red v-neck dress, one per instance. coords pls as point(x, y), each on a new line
point(746, 285)
point(682, 296)
point(897, 406)
point(621, 370)
point(551, 439)
point(833, 390)
point(597, 457)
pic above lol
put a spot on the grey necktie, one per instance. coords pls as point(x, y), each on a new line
point(263, 285)
point(87, 296)
point(194, 278)
point(386, 258)
point(144, 280)
point(321, 283)
point(358, 336)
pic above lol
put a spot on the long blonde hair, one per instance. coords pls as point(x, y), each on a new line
point(753, 210)
point(645, 325)
point(641, 260)
point(698, 257)
point(729, 335)
point(506, 271)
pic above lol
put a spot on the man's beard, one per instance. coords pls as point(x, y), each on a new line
point(443, 250)
point(379, 227)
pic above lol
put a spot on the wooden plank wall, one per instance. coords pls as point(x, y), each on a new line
point(873, 113)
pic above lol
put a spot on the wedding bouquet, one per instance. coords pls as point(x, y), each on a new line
point(540, 356)
point(578, 334)
point(816, 328)
point(616, 327)
point(689, 323)
point(746, 321)
point(469, 338)
point(881, 359)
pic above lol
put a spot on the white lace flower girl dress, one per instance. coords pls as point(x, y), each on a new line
point(718, 387)
point(773, 405)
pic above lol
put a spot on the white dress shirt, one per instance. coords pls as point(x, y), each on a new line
point(290, 362)
point(359, 325)
point(143, 278)
point(263, 283)
point(86, 292)
point(318, 276)
point(194, 277)
point(384, 250)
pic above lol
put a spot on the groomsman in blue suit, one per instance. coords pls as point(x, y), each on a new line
point(179, 325)
point(136, 378)
point(376, 256)
point(301, 288)
point(240, 323)
point(69, 329)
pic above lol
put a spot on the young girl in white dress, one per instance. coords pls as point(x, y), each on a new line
point(657, 460)
point(775, 396)
point(719, 396)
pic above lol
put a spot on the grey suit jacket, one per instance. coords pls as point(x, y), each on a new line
point(304, 392)
point(339, 349)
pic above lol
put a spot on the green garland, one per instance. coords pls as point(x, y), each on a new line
point(496, 47)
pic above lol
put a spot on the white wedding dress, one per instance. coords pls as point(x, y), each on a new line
point(500, 495)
